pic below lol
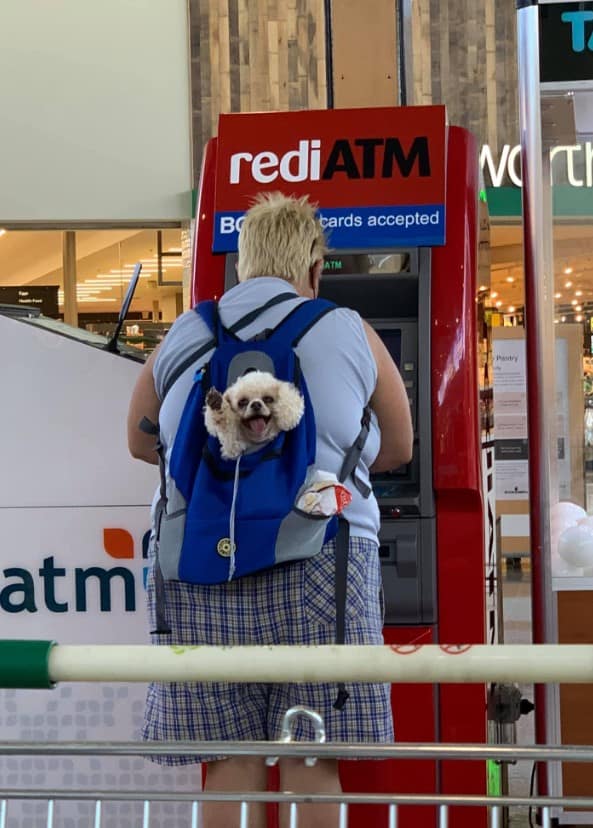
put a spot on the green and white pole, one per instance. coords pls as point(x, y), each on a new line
point(42, 664)
point(25, 664)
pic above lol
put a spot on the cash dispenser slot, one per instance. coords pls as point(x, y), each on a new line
point(408, 565)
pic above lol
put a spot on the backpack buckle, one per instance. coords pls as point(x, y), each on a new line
point(262, 335)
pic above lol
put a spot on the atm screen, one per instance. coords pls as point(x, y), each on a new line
point(371, 264)
point(387, 484)
point(393, 343)
point(354, 267)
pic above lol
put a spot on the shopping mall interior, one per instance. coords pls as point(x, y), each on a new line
point(31, 263)
point(106, 166)
point(32, 260)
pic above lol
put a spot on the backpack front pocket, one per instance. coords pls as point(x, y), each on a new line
point(170, 544)
point(300, 536)
point(210, 556)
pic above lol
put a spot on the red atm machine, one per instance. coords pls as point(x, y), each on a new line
point(398, 194)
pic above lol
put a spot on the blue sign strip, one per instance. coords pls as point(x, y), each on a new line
point(358, 227)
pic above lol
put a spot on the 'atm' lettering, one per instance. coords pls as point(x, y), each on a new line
point(342, 158)
point(365, 158)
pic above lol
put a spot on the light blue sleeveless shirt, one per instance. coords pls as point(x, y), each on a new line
point(337, 363)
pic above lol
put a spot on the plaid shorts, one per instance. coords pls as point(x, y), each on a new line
point(291, 604)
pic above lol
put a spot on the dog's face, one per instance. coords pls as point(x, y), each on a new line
point(264, 405)
point(253, 398)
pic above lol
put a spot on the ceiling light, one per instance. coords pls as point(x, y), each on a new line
point(578, 308)
point(574, 302)
point(102, 277)
point(493, 295)
point(510, 279)
point(568, 270)
point(128, 269)
point(578, 293)
point(85, 299)
point(579, 318)
point(511, 309)
point(557, 296)
point(563, 318)
point(498, 304)
point(2, 231)
point(568, 284)
point(100, 299)
point(113, 276)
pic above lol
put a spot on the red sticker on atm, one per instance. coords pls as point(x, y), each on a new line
point(406, 649)
point(378, 175)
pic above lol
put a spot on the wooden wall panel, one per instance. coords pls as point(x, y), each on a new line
point(464, 55)
point(421, 48)
point(251, 56)
point(575, 610)
point(365, 54)
point(257, 55)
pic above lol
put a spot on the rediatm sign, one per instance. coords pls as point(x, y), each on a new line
point(378, 175)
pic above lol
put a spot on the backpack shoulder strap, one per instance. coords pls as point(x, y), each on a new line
point(252, 315)
point(354, 454)
point(208, 312)
point(301, 319)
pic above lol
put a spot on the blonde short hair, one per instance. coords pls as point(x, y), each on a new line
point(280, 236)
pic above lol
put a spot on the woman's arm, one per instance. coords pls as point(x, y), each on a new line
point(392, 407)
point(144, 403)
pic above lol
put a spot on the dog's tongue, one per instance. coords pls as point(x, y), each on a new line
point(257, 425)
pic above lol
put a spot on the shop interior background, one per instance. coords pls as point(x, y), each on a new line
point(32, 273)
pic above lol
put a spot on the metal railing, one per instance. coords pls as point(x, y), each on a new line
point(42, 664)
point(271, 751)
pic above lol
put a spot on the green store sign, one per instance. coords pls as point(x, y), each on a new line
point(572, 177)
point(569, 202)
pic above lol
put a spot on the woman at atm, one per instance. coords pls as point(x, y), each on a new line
point(346, 367)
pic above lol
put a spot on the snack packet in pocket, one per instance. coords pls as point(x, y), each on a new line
point(323, 495)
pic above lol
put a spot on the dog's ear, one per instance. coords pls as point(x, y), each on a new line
point(289, 407)
point(228, 398)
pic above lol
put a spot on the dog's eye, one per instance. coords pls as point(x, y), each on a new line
point(243, 402)
point(268, 400)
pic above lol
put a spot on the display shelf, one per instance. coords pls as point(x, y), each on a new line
point(572, 583)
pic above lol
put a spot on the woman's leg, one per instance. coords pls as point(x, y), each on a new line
point(235, 774)
point(295, 776)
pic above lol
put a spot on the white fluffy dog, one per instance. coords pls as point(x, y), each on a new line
point(251, 412)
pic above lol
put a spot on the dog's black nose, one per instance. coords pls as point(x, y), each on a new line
point(256, 405)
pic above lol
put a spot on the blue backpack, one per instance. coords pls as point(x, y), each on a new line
point(221, 519)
